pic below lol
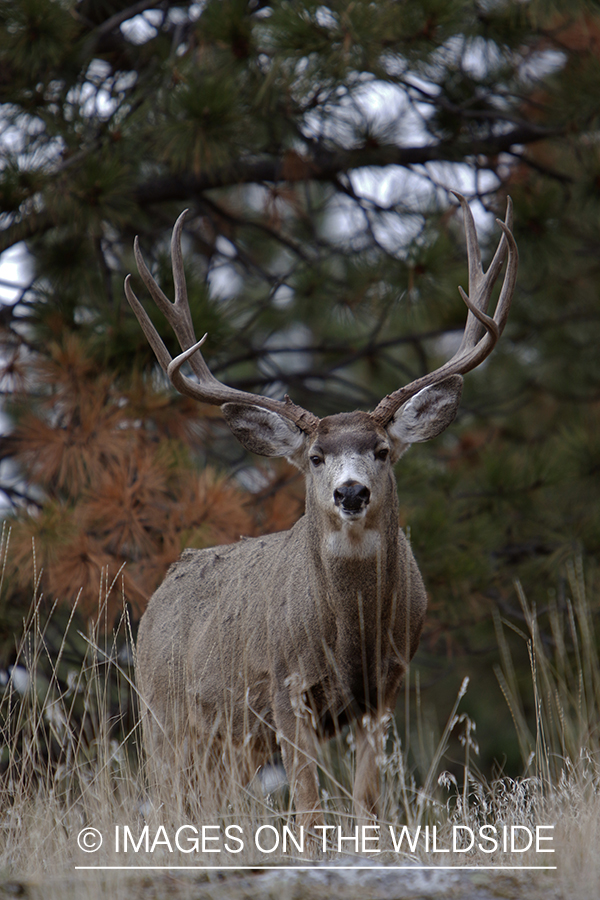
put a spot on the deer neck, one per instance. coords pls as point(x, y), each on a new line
point(353, 557)
point(356, 581)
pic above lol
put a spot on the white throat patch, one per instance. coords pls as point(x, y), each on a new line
point(353, 543)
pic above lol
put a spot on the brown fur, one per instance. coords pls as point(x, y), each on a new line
point(274, 642)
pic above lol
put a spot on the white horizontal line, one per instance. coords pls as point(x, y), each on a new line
point(320, 868)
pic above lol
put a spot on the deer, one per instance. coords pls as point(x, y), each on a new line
point(275, 643)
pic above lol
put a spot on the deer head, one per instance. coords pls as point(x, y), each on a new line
point(415, 412)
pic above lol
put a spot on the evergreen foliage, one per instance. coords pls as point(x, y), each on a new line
point(315, 146)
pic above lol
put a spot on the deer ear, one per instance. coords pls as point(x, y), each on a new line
point(425, 415)
point(262, 431)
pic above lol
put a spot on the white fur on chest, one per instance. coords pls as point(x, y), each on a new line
point(354, 543)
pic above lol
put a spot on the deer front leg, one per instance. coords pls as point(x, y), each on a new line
point(298, 739)
point(371, 734)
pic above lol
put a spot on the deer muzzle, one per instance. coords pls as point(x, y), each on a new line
point(352, 498)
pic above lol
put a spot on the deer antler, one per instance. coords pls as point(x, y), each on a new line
point(481, 331)
point(480, 335)
point(207, 388)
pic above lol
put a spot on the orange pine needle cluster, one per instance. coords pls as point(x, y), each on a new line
point(120, 492)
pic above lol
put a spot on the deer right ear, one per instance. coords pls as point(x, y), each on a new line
point(425, 415)
point(262, 431)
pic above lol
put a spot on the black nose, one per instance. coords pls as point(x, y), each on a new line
point(352, 497)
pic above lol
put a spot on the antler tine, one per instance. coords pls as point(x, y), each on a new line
point(173, 312)
point(152, 335)
point(207, 389)
point(480, 284)
point(184, 328)
point(177, 314)
point(474, 347)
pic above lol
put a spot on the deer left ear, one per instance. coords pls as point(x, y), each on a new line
point(425, 415)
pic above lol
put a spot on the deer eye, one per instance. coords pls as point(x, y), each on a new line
point(382, 453)
point(316, 461)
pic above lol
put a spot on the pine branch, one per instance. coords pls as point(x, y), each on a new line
point(327, 165)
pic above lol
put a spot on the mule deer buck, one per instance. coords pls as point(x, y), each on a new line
point(279, 641)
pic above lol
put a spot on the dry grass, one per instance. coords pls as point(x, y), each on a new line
point(71, 759)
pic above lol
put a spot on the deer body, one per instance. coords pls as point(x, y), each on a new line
point(279, 641)
point(286, 638)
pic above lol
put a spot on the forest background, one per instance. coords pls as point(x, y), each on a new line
point(315, 147)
